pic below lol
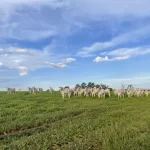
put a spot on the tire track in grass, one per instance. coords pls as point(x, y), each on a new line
point(30, 130)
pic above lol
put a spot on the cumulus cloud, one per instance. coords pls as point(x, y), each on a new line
point(102, 59)
point(69, 60)
point(27, 60)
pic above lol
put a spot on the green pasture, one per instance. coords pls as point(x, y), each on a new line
point(47, 122)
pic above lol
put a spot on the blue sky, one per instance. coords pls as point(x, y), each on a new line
point(56, 43)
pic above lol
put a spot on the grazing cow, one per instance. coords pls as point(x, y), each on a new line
point(11, 90)
point(30, 89)
point(76, 91)
point(81, 92)
point(107, 91)
point(94, 91)
point(138, 93)
point(65, 92)
point(146, 93)
point(130, 93)
point(115, 92)
point(120, 93)
point(51, 90)
point(40, 89)
point(87, 91)
point(34, 90)
point(101, 93)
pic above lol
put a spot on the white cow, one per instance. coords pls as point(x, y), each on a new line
point(101, 93)
point(11, 90)
point(34, 90)
point(51, 90)
point(87, 91)
point(146, 93)
point(120, 93)
point(94, 91)
point(107, 91)
point(76, 91)
point(81, 92)
point(130, 93)
point(65, 92)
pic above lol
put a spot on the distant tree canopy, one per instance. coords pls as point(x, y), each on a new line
point(130, 86)
point(97, 85)
point(91, 85)
point(66, 86)
point(104, 86)
point(77, 86)
point(83, 85)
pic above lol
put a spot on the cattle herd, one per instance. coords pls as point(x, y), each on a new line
point(33, 90)
point(102, 93)
point(89, 91)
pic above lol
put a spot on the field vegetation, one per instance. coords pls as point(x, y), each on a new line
point(46, 121)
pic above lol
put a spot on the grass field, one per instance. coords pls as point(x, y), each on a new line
point(45, 121)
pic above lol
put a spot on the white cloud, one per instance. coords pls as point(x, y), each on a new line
point(95, 47)
point(128, 51)
point(69, 60)
point(129, 37)
point(32, 21)
point(120, 58)
point(27, 60)
point(50, 3)
point(23, 73)
point(96, 8)
point(56, 65)
point(1, 50)
point(23, 70)
point(102, 59)
point(38, 19)
point(19, 51)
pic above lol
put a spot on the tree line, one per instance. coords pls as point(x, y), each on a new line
point(91, 85)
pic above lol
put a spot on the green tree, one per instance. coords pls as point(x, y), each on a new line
point(97, 85)
point(104, 86)
point(77, 86)
point(83, 85)
point(66, 86)
point(89, 84)
point(93, 84)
